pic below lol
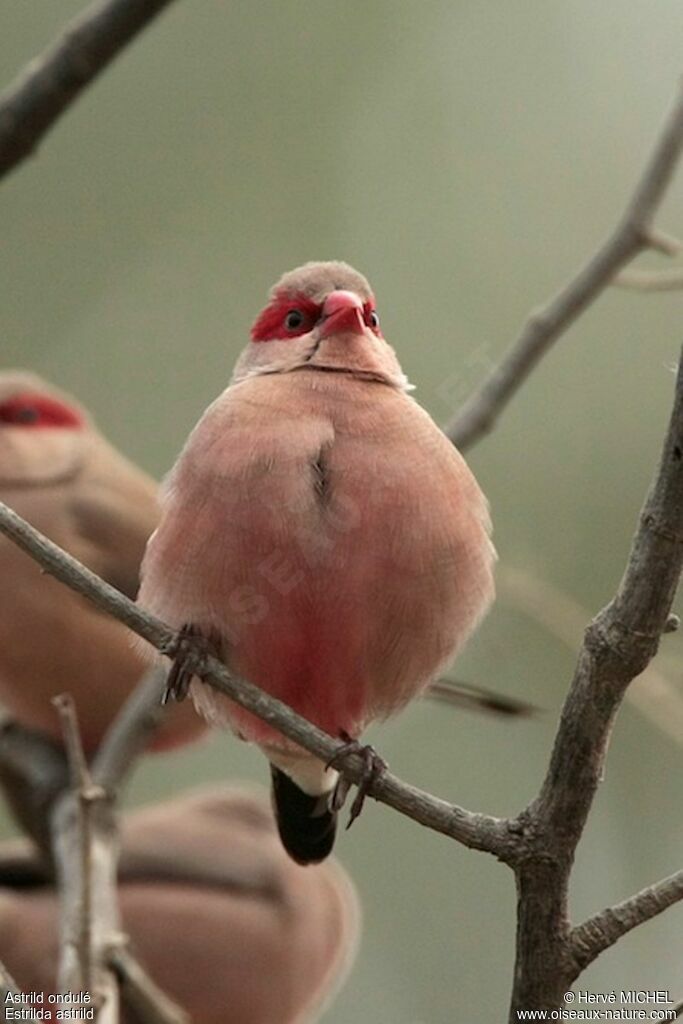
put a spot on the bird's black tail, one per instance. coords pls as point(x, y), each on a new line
point(306, 824)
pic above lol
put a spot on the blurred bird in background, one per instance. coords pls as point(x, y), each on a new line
point(59, 473)
point(322, 535)
point(222, 919)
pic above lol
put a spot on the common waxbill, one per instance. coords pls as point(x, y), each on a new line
point(321, 532)
point(59, 473)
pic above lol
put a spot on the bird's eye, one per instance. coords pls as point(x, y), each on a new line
point(37, 411)
point(294, 320)
point(27, 414)
point(372, 319)
point(15, 413)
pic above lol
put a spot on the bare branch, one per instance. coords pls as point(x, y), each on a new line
point(662, 242)
point(8, 986)
point(82, 972)
point(52, 82)
point(477, 831)
point(618, 645)
point(78, 766)
point(600, 932)
point(632, 235)
point(85, 838)
point(131, 730)
point(650, 280)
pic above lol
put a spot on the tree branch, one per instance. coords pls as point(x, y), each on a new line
point(477, 831)
point(86, 859)
point(52, 82)
point(8, 986)
point(130, 731)
point(85, 840)
point(600, 932)
point(632, 235)
point(141, 993)
point(618, 645)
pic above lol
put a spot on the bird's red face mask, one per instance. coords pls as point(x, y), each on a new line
point(341, 332)
point(29, 411)
point(292, 316)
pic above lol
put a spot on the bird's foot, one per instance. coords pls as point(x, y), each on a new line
point(188, 652)
point(373, 767)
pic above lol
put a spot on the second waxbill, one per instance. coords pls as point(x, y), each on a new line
point(58, 472)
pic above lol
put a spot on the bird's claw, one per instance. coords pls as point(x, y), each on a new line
point(188, 652)
point(373, 767)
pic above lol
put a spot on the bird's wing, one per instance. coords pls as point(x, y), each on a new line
point(248, 872)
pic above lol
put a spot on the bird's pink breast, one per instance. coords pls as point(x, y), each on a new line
point(332, 537)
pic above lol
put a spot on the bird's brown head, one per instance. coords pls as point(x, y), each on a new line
point(41, 431)
point(321, 316)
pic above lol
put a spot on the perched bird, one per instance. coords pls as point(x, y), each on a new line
point(224, 922)
point(322, 534)
point(59, 473)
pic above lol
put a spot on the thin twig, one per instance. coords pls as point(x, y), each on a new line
point(87, 795)
point(650, 280)
point(600, 932)
point(632, 235)
point(51, 82)
point(105, 931)
point(660, 241)
point(141, 993)
point(8, 987)
point(129, 734)
point(78, 766)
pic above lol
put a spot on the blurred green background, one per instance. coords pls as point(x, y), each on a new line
point(467, 157)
